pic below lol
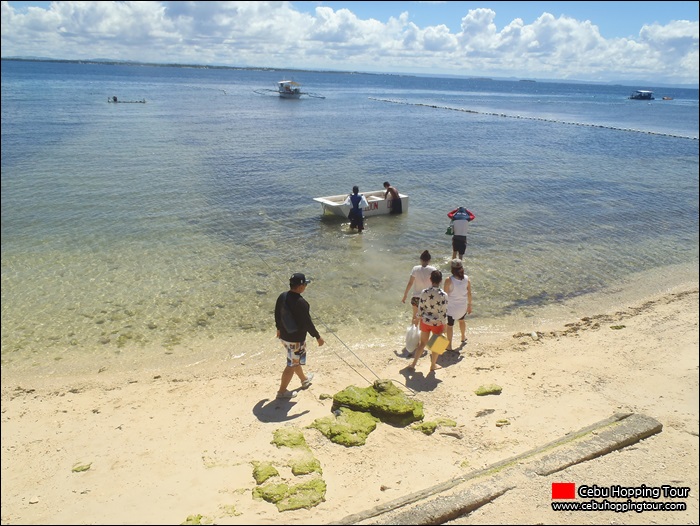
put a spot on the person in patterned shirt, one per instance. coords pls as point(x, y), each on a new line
point(432, 312)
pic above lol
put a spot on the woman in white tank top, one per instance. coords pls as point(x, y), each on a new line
point(459, 300)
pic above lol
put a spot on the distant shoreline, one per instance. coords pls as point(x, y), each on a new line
point(108, 62)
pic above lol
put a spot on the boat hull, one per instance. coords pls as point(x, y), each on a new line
point(378, 205)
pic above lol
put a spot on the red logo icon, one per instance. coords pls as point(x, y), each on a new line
point(563, 490)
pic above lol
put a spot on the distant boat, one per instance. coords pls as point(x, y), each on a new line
point(116, 100)
point(288, 89)
point(642, 94)
point(667, 98)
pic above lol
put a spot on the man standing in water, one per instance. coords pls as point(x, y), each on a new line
point(394, 200)
point(293, 321)
point(460, 218)
point(358, 201)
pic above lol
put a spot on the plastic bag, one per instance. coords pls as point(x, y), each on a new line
point(450, 231)
point(412, 338)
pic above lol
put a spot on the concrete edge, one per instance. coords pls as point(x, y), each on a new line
point(610, 434)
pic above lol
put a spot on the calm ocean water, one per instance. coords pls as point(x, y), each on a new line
point(144, 230)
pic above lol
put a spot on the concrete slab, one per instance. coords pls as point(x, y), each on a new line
point(456, 497)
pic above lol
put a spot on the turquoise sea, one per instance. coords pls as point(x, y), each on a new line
point(166, 230)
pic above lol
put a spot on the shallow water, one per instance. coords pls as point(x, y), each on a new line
point(148, 230)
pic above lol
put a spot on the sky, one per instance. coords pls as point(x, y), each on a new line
point(622, 42)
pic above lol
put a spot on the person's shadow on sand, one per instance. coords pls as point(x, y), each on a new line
point(416, 381)
point(275, 410)
point(403, 353)
point(449, 358)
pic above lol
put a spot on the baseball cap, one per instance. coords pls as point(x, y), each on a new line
point(456, 263)
point(298, 279)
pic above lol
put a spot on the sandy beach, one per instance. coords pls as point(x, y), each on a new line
point(157, 447)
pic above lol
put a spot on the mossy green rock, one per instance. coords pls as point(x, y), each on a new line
point(291, 437)
point(305, 465)
point(263, 471)
point(347, 427)
point(428, 428)
point(305, 495)
point(488, 389)
point(383, 400)
point(79, 468)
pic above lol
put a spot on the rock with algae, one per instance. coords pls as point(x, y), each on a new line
point(293, 497)
point(291, 437)
point(428, 428)
point(383, 400)
point(263, 471)
point(193, 519)
point(347, 427)
point(488, 389)
point(79, 468)
point(229, 510)
point(287, 496)
point(305, 464)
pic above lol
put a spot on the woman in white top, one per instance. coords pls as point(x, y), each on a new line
point(459, 300)
point(419, 280)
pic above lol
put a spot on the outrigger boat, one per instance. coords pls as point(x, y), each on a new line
point(378, 204)
point(288, 89)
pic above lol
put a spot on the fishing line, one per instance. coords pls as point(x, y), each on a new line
point(329, 329)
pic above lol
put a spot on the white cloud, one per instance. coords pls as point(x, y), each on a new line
point(274, 34)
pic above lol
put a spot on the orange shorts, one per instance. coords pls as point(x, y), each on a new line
point(436, 329)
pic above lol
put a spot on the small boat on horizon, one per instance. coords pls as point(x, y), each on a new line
point(642, 94)
point(115, 100)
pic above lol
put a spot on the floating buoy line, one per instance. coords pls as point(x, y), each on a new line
point(532, 118)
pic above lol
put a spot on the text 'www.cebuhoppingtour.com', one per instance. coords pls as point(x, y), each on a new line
point(599, 496)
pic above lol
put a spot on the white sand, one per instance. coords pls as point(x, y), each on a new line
point(166, 445)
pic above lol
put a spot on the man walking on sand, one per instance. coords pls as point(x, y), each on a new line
point(293, 321)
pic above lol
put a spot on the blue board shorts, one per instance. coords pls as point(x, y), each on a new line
point(296, 353)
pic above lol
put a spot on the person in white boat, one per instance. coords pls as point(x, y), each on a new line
point(459, 301)
point(358, 202)
point(419, 280)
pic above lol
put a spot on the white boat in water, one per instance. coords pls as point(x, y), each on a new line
point(377, 204)
point(642, 94)
point(288, 89)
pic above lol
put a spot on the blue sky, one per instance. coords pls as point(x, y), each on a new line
point(648, 41)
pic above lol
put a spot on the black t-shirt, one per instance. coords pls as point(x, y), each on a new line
point(299, 309)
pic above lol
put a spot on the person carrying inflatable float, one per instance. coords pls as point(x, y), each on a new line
point(460, 217)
